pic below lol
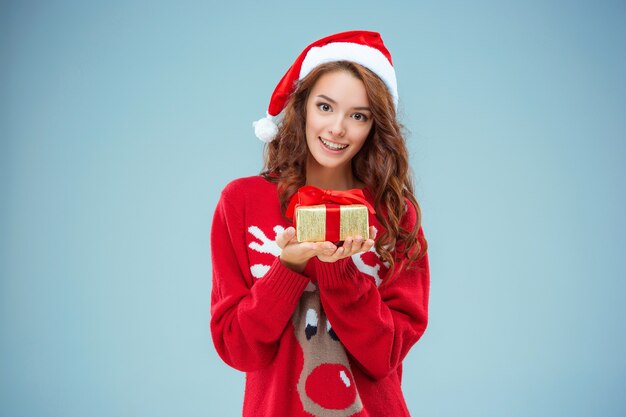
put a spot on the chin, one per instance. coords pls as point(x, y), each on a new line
point(328, 162)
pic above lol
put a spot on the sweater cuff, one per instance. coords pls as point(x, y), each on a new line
point(337, 274)
point(283, 282)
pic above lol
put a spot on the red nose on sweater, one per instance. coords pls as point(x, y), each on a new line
point(331, 386)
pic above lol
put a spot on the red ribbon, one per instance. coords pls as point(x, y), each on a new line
point(311, 196)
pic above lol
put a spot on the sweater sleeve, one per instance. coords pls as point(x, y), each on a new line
point(247, 317)
point(377, 326)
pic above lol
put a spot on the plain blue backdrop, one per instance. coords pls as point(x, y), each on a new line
point(121, 121)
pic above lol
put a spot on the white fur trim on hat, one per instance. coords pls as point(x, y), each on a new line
point(369, 57)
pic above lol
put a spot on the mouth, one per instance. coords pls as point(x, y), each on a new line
point(332, 146)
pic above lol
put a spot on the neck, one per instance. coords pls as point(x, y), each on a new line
point(339, 178)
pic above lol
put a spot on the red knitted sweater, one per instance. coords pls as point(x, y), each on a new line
point(328, 342)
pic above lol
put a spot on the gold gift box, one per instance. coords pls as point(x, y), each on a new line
point(311, 222)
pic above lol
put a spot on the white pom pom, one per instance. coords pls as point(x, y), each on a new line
point(265, 129)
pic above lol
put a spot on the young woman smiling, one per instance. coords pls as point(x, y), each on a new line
point(322, 328)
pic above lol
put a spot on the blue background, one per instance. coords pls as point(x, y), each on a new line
point(121, 121)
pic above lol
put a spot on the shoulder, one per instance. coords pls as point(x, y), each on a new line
point(245, 187)
point(250, 199)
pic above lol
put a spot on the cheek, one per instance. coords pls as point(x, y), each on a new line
point(362, 133)
point(311, 134)
point(312, 123)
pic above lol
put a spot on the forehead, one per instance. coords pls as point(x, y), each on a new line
point(343, 87)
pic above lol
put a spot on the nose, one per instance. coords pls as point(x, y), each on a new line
point(331, 385)
point(337, 128)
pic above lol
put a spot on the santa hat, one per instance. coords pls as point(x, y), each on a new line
point(363, 47)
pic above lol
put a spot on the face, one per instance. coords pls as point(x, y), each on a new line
point(338, 120)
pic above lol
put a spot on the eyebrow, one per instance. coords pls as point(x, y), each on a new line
point(334, 102)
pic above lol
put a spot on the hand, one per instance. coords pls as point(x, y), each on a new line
point(350, 247)
point(295, 255)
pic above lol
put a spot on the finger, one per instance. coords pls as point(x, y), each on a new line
point(367, 245)
point(330, 250)
point(358, 243)
point(318, 248)
point(347, 245)
point(285, 237)
point(373, 232)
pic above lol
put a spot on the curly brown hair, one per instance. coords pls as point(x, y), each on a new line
point(381, 164)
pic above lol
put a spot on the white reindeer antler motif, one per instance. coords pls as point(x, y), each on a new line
point(266, 246)
point(366, 269)
point(373, 271)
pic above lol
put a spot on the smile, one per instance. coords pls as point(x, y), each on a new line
point(332, 146)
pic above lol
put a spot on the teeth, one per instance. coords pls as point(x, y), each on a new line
point(333, 146)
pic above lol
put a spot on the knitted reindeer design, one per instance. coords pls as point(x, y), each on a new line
point(326, 385)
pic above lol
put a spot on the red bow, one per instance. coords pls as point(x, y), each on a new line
point(311, 196)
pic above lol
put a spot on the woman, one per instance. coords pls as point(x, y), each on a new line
point(322, 328)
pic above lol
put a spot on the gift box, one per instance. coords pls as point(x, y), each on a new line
point(321, 215)
point(331, 222)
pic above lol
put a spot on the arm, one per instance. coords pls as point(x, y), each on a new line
point(376, 326)
point(247, 317)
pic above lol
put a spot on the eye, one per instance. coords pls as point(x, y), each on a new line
point(360, 117)
point(331, 332)
point(324, 107)
point(311, 324)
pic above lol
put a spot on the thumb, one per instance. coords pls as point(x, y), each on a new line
point(285, 237)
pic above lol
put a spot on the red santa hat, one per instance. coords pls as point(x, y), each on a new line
point(363, 47)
